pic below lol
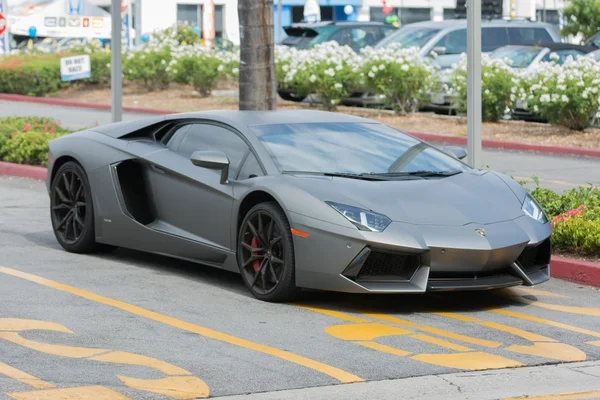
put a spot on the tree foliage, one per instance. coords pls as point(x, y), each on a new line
point(583, 16)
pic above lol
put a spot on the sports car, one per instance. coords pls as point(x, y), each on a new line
point(297, 199)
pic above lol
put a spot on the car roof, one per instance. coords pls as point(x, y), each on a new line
point(254, 118)
point(337, 23)
point(452, 23)
point(556, 46)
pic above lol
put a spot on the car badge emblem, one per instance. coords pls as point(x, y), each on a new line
point(481, 232)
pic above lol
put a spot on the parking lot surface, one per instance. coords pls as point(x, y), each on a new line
point(133, 325)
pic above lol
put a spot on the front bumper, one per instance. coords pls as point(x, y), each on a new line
point(408, 258)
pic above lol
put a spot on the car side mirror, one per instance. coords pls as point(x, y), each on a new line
point(216, 160)
point(457, 152)
point(440, 50)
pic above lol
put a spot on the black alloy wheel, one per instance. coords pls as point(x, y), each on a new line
point(265, 254)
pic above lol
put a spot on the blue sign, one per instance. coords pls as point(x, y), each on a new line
point(125, 25)
point(32, 31)
point(74, 7)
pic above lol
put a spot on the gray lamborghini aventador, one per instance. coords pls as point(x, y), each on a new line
point(297, 199)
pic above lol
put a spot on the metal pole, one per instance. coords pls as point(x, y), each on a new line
point(116, 84)
point(474, 83)
point(138, 22)
point(279, 17)
point(545, 20)
point(5, 36)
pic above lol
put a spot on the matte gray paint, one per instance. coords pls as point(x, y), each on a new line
point(197, 215)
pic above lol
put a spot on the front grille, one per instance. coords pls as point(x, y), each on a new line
point(532, 258)
point(389, 266)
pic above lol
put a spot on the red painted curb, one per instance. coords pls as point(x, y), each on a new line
point(498, 144)
point(584, 272)
point(431, 137)
point(23, 171)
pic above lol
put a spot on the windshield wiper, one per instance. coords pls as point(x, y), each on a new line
point(366, 177)
point(422, 173)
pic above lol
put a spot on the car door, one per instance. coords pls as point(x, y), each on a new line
point(190, 201)
point(450, 47)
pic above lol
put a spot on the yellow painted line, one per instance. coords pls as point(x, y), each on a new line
point(556, 182)
point(596, 343)
point(329, 370)
point(335, 314)
point(440, 342)
point(545, 322)
point(179, 387)
point(368, 331)
point(537, 292)
point(459, 317)
point(472, 361)
point(562, 396)
point(532, 337)
point(18, 325)
point(55, 349)
point(23, 377)
point(383, 348)
point(76, 393)
point(568, 309)
point(436, 331)
point(122, 357)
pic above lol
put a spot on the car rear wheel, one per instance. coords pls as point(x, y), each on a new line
point(72, 211)
point(266, 254)
point(291, 96)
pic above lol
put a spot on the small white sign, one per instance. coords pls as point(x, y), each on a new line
point(76, 67)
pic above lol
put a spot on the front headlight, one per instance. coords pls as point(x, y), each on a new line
point(533, 209)
point(364, 220)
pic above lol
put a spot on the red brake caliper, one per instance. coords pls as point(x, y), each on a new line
point(255, 263)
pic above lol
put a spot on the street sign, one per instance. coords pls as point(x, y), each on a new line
point(75, 67)
point(125, 24)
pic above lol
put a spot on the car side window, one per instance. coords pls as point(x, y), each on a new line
point(528, 35)
point(206, 137)
point(562, 55)
point(364, 37)
point(250, 169)
point(493, 38)
point(343, 37)
point(454, 42)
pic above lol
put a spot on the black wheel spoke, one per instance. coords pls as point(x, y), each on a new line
point(80, 204)
point(252, 259)
point(64, 220)
point(260, 272)
point(72, 187)
point(263, 279)
point(68, 224)
point(62, 196)
point(272, 269)
point(79, 192)
point(276, 260)
point(62, 206)
point(270, 230)
point(274, 241)
point(252, 249)
point(261, 228)
point(253, 231)
point(79, 220)
point(74, 223)
point(67, 185)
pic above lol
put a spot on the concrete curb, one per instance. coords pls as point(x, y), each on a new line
point(431, 137)
point(584, 272)
point(587, 273)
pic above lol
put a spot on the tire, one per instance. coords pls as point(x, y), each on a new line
point(72, 210)
point(291, 96)
point(267, 271)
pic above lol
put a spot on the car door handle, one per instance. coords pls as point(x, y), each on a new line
point(157, 169)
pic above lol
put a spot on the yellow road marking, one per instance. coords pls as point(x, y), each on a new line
point(562, 396)
point(542, 346)
point(545, 322)
point(436, 331)
point(596, 343)
point(538, 292)
point(77, 393)
point(364, 331)
point(384, 348)
point(55, 349)
point(472, 361)
point(122, 357)
point(23, 377)
point(18, 325)
point(556, 307)
point(179, 387)
point(329, 370)
point(335, 314)
point(440, 342)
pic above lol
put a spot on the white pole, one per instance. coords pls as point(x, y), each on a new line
point(474, 83)
point(5, 36)
point(279, 17)
point(116, 84)
point(138, 22)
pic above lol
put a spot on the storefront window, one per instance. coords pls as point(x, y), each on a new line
point(192, 14)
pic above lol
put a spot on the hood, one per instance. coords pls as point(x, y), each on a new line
point(470, 197)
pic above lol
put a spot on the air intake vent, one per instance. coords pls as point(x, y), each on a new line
point(386, 266)
point(534, 257)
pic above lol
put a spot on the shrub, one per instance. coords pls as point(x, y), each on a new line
point(400, 75)
point(31, 75)
point(24, 140)
point(328, 70)
point(198, 67)
point(568, 94)
point(100, 71)
point(498, 84)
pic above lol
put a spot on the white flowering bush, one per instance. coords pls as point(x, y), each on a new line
point(328, 70)
point(400, 76)
point(567, 95)
point(499, 84)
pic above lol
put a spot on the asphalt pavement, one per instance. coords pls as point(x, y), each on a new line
point(554, 171)
point(133, 325)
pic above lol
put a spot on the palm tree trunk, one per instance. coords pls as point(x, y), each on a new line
point(258, 88)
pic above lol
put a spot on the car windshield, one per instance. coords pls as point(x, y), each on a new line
point(520, 57)
point(351, 148)
point(409, 37)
